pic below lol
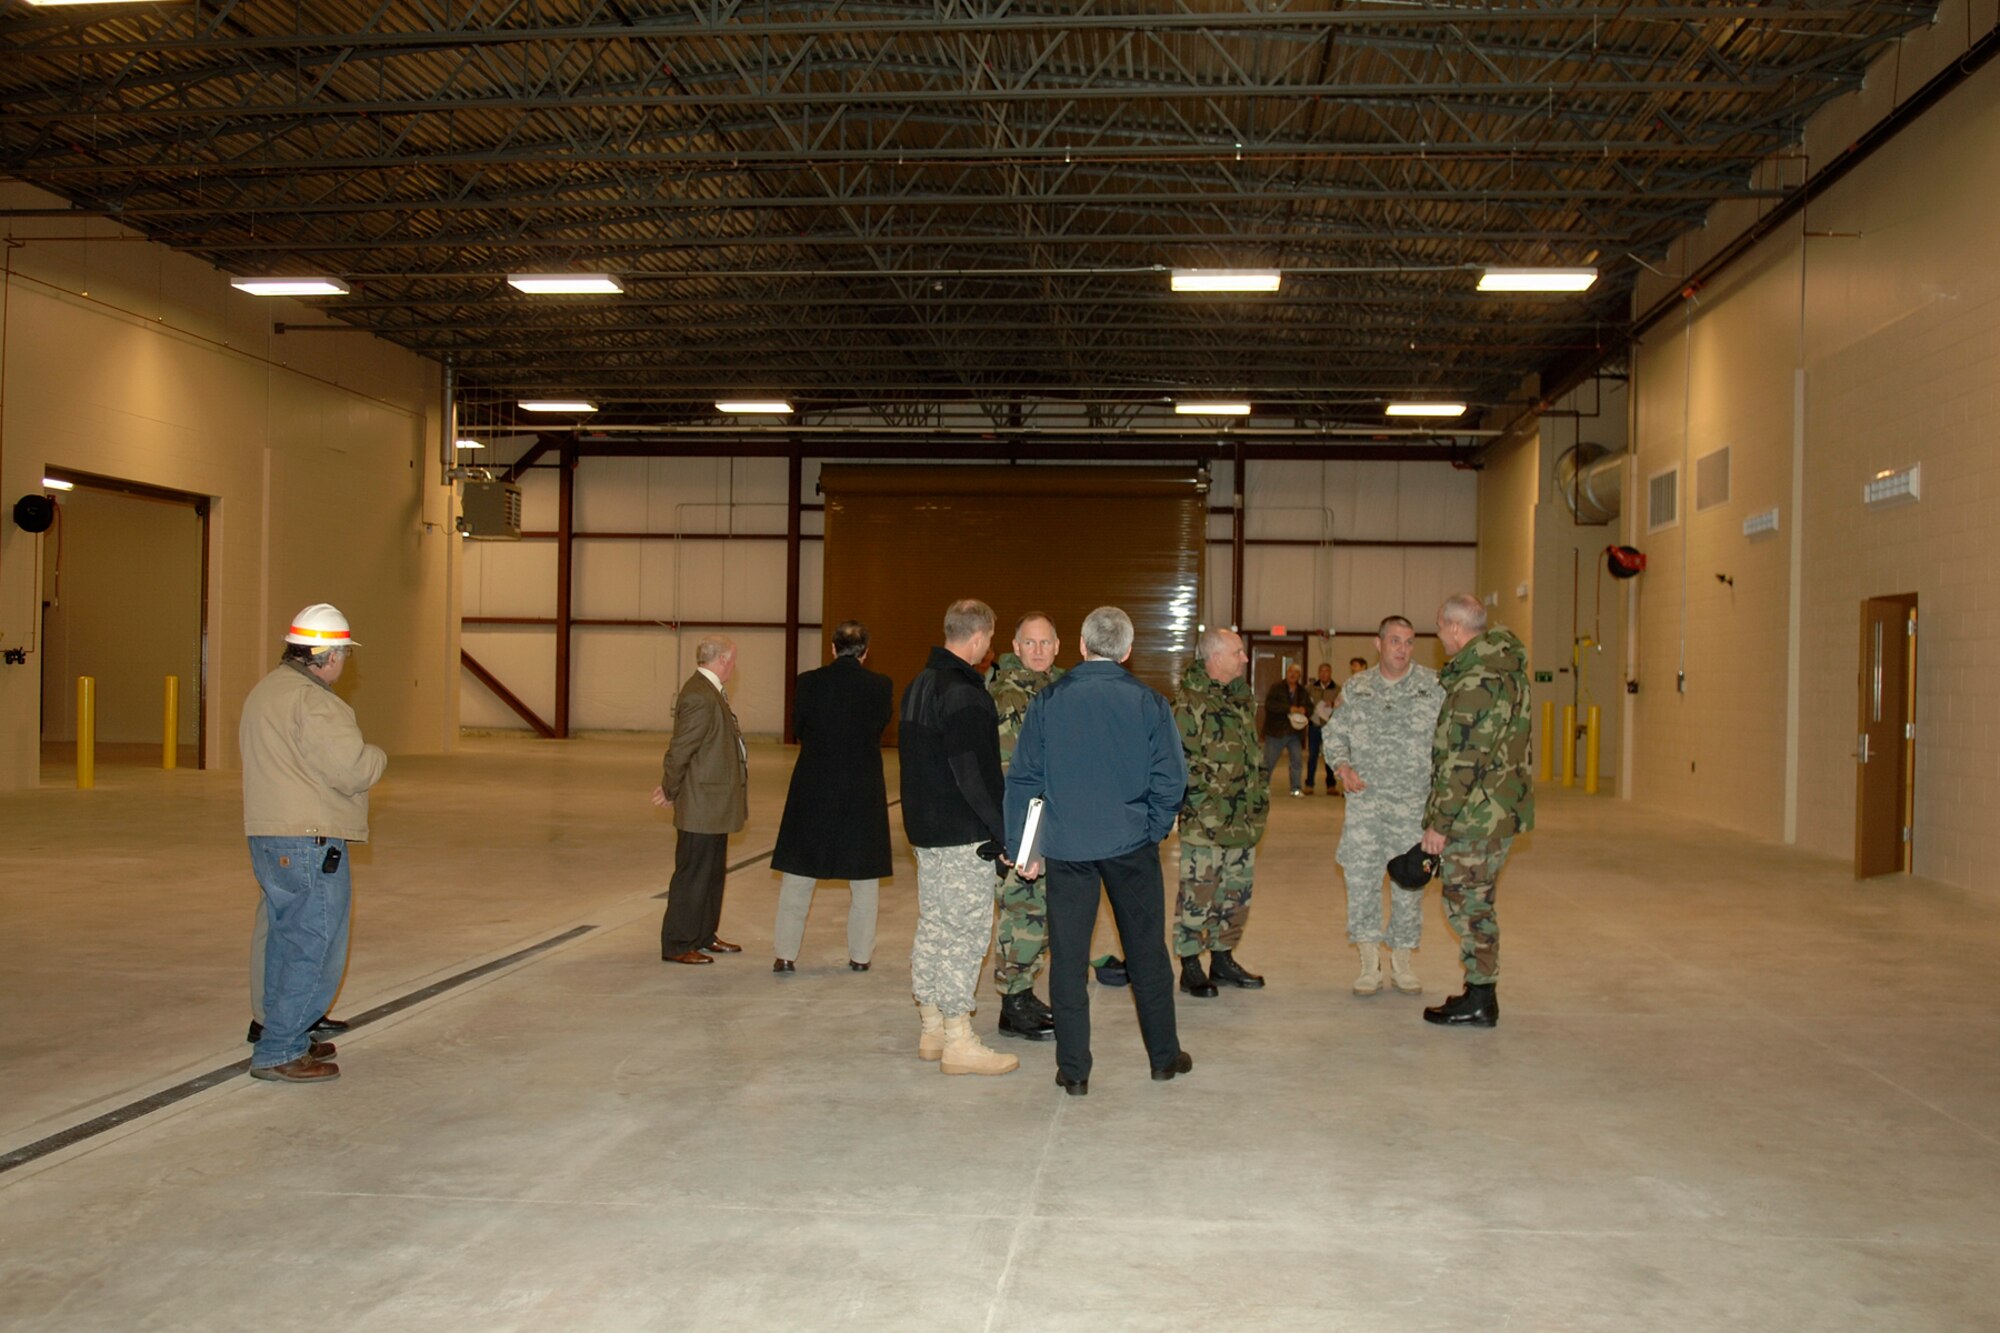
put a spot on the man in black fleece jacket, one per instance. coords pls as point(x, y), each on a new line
point(949, 735)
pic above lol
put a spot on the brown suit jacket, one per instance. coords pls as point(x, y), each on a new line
point(706, 772)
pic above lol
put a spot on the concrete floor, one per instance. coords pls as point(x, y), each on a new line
point(1722, 1095)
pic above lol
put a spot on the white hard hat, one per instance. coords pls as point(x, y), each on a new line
point(320, 626)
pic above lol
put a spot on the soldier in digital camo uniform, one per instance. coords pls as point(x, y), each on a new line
point(1481, 792)
point(1222, 816)
point(1378, 744)
point(1022, 946)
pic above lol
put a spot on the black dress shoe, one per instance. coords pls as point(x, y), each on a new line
point(1226, 971)
point(324, 1025)
point(1194, 981)
point(1075, 1087)
point(1182, 1063)
point(783, 965)
point(853, 966)
point(721, 946)
point(1477, 1007)
point(1018, 1019)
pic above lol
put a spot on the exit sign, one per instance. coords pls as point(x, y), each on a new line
point(1544, 677)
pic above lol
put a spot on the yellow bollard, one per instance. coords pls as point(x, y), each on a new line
point(1591, 740)
point(1569, 745)
point(86, 732)
point(1548, 773)
point(170, 745)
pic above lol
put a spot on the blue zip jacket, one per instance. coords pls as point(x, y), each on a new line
point(1101, 749)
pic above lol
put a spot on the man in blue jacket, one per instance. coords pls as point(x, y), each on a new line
point(1101, 749)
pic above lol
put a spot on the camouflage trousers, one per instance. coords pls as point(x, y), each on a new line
point(954, 926)
point(1023, 943)
point(1469, 870)
point(1215, 897)
point(1366, 848)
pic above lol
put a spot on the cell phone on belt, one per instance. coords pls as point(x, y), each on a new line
point(332, 862)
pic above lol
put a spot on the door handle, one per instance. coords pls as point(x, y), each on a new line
point(1860, 751)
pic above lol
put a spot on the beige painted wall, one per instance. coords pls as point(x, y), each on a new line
point(126, 611)
point(1892, 310)
point(123, 359)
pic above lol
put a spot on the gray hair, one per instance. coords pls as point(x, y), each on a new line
point(1465, 611)
point(713, 648)
point(1210, 643)
point(1107, 634)
point(966, 617)
point(311, 656)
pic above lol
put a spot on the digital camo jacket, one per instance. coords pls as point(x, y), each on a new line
point(1383, 729)
point(1012, 686)
point(1480, 783)
point(1228, 794)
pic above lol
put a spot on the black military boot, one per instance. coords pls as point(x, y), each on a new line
point(1478, 1007)
point(1041, 1009)
point(1195, 981)
point(1019, 1019)
point(1222, 966)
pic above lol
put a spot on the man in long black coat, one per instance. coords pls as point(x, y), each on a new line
point(836, 821)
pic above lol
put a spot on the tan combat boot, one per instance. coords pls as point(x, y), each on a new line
point(930, 1042)
point(1400, 973)
point(1370, 979)
point(964, 1053)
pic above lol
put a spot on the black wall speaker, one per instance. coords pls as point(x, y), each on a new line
point(34, 513)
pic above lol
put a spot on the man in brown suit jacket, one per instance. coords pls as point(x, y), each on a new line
point(705, 781)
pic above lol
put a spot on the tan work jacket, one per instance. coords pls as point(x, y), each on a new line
point(306, 770)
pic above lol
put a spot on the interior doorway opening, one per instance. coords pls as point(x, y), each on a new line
point(125, 602)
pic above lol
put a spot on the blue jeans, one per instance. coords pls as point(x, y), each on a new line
point(1293, 746)
point(260, 933)
point(307, 909)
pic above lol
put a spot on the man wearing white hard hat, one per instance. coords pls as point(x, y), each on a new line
point(306, 775)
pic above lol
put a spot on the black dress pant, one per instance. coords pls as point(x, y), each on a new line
point(1138, 904)
point(694, 894)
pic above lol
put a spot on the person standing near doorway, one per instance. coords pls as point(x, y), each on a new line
point(306, 777)
point(1287, 707)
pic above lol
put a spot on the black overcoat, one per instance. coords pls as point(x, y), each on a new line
point(836, 821)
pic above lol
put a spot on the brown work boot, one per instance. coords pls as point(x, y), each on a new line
point(305, 1069)
point(930, 1039)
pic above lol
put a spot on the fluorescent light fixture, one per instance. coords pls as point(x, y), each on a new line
point(305, 286)
point(776, 407)
point(1425, 409)
point(1892, 486)
point(566, 284)
point(1227, 279)
point(1496, 279)
point(1212, 409)
point(1757, 524)
point(470, 444)
point(58, 484)
point(556, 405)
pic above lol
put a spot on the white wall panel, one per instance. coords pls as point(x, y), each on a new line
point(541, 492)
point(524, 659)
point(1435, 503)
point(606, 579)
point(612, 495)
point(509, 578)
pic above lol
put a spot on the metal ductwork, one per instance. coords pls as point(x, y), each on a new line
point(1591, 480)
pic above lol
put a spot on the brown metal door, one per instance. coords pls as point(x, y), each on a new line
point(1885, 743)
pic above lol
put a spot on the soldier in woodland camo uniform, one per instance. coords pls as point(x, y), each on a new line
point(1481, 792)
point(1222, 816)
point(1378, 744)
point(1023, 942)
